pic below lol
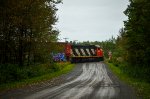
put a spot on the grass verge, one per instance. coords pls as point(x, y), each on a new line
point(66, 68)
point(141, 88)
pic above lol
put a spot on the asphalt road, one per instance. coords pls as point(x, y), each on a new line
point(86, 81)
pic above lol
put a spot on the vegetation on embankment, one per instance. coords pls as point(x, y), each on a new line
point(133, 77)
point(21, 76)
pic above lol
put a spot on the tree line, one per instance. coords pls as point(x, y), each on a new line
point(134, 37)
point(26, 30)
point(133, 40)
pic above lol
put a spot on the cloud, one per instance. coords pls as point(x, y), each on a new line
point(92, 20)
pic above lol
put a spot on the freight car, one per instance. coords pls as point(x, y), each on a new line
point(83, 53)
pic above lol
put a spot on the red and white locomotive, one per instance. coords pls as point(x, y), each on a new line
point(83, 53)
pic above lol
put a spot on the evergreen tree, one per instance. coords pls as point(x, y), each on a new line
point(138, 32)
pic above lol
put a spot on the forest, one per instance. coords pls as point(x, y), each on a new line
point(133, 41)
point(27, 34)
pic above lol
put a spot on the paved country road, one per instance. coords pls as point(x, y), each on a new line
point(86, 81)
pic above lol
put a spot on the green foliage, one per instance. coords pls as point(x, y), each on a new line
point(136, 72)
point(138, 32)
point(58, 66)
point(114, 61)
point(132, 44)
point(45, 72)
point(134, 77)
point(12, 73)
point(26, 30)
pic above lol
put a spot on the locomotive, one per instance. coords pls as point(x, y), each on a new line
point(76, 53)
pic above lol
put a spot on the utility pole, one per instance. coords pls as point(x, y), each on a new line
point(75, 41)
point(65, 39)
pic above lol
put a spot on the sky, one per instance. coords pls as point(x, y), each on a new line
point(90, 20)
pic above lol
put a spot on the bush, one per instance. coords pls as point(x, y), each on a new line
point(11, 73)
point(8, 73)
point(115, 61)
point(137, 72)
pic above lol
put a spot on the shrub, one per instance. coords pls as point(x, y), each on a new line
point(12, 73)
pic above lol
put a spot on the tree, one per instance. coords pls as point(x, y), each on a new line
point(134, 38)
point(25, 27)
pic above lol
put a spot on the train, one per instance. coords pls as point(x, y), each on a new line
point(83, 53)
point(76, 53)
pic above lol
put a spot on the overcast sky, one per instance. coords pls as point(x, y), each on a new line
point(93, 20)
